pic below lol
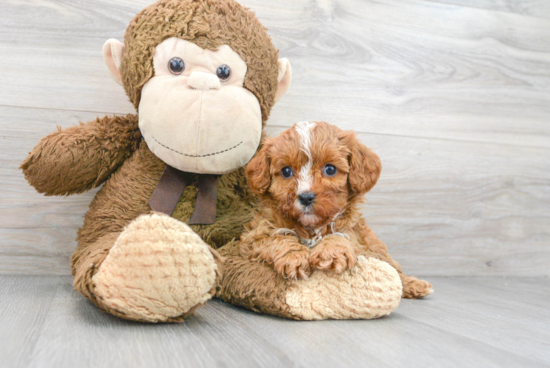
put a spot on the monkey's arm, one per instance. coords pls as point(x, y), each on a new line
point(81, 157)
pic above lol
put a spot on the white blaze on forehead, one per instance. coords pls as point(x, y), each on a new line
point(305, 178)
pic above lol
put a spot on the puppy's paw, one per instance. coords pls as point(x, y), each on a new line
point(333, 254)
point(414, 288)
point(293, 265)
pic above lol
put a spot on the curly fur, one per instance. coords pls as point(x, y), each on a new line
point(81, 157)
point(280, 234)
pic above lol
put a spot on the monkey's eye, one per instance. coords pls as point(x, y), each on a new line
point(223, 72)
point(329, 170)
point(286, 172)
point(176, 65)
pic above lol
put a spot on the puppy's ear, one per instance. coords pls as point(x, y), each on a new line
point(365, 165)
point(257, 170)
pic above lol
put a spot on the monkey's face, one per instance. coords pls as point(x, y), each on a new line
point(194, 113)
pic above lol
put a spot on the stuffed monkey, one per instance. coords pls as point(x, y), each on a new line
point(203, 76)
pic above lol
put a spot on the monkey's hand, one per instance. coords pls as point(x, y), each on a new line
point(81, 157)
point(333, 253)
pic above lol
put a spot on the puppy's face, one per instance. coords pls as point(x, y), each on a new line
point(311, 172)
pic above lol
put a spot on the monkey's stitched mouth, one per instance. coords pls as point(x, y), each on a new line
point(206, 155)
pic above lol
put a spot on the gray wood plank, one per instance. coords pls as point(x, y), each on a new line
point(37, 233)
point(459, 325)
point(453, 96)
point(534, 8)
point(54, 49)
point(25, 301)
point(418, 72)
point(419, 69)
point(395, 341)
point(87, 19)
point(461, 208)
point(512, 318)
point(442, 207)
point(78, 334)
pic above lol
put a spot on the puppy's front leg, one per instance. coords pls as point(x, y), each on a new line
point(293, 264)
point(287, 256)
point(334, 253)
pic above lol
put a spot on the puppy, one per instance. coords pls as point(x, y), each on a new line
point(312, 180)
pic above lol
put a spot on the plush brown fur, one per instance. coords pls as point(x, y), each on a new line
point(81, 157)
point(252, 285)
point(259, 287)
point(111, 149)
point(209, 24)
point(276, 236)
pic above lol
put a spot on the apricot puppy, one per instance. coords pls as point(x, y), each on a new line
point(312, 180)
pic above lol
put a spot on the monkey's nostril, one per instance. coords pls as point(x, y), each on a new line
point(306, 198)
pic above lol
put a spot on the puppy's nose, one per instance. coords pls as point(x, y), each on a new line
point(203, 81)
point(306, 198)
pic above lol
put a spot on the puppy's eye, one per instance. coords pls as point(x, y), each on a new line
point(286, 172)
point(329, 170)
point(176, 65)
point(223, 72)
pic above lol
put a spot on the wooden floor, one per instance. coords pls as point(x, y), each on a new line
point(467, 322)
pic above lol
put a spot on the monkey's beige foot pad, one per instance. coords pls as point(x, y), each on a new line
point(158, 270)
point(371, 289)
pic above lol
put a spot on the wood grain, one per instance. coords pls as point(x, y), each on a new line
point(37, 233)
point(25, 302)
point(468, 321)
point(534, 8)
point(453, 96)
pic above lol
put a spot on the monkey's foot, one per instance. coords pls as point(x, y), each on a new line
point(159, 270)
point(371, 289)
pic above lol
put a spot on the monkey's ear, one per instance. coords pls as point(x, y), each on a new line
point(113, 50)
point(285, 76)
point(365, 166)
point(257, 171)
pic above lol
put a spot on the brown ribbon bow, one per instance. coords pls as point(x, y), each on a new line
point(171, 186)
